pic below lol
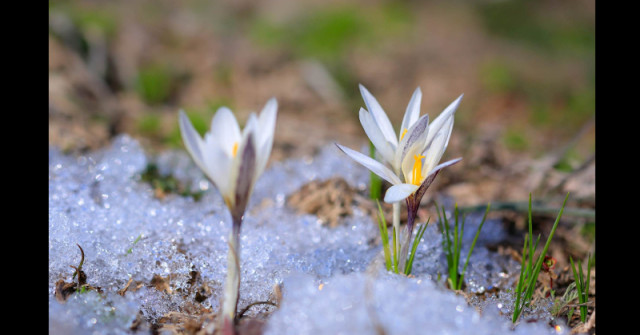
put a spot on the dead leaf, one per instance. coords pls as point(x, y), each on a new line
point(161, 284)
point(330, 200)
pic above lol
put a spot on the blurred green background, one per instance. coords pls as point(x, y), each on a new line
point(527, 69)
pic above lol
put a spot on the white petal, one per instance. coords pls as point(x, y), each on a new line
point(399, 192)
point(250, 127)
point(266, 129)
point(267, 121)
point(414, 139)
point(218, 166)
point(444, 165)
point(225, 129)
point(192, 140)
point(376, 137)
point(379, 116)
point(413, 111)
point(437, 147)
point(371, 164)
point(439, 121)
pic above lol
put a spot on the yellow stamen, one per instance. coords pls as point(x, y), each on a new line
point(416, 173)
point(234, 151)
point(403, 133)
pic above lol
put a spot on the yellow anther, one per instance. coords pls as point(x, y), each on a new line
point(404, 132)
point(234, 151)
point(416, 173)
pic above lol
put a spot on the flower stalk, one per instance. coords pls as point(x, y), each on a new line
point(232, 283)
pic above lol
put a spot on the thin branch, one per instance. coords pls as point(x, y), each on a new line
point(244, 310)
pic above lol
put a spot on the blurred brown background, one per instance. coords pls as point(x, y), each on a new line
point(527, 69)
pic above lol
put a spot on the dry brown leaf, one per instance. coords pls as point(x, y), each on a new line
point(161, 284)
point(585, 327)
point(330, 200)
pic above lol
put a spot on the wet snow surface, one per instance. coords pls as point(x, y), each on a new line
point(332, 279)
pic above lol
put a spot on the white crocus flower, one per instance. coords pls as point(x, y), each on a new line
point(412, 153)
point(226, 151)
point(232, 159)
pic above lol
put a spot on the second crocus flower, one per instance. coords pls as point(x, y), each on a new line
point(232, 159)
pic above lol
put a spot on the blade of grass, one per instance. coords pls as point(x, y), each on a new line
point(453, 270)
point(521, 281)
point(395, 254)
point(532, 248)
point(533, 279)
point(384, 233)
point(459, 249)
point(583, 309)
point(414, 247)
point(586, 287)
point(376, 183)
point(578, 286)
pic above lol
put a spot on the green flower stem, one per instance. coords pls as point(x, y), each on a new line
point(384, 234)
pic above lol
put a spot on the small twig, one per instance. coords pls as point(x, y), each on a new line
point(244, 310)
point(584, 327)
point(126, 287)
point(79, 268)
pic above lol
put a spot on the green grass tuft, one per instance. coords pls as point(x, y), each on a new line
point(167, 183)
point(528, 271)
point(582, 285)
point(452, 245)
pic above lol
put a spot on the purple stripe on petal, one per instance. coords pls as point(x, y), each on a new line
point(244, 183)
point(415, 133)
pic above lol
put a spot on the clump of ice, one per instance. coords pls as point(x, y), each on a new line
point(382, 303)
point(98, 201)
point(91, 313)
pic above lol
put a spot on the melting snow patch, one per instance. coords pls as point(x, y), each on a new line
point(99, 202)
